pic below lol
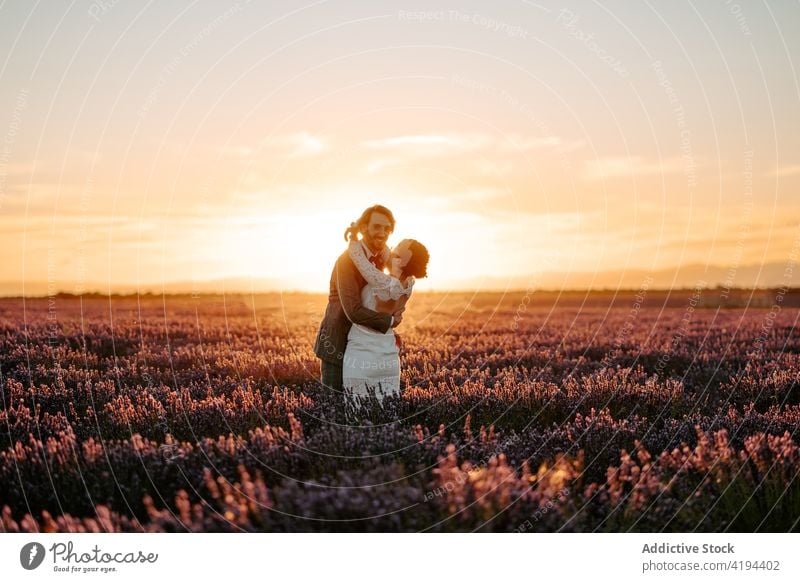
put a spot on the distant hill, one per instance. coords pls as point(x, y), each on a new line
point(768, 275)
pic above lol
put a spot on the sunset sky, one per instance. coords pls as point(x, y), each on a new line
point(155, 144)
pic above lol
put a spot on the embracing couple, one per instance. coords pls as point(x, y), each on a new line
point(359, 349)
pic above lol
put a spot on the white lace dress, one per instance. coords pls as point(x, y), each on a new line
point(371, 358)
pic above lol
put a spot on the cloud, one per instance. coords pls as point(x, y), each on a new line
point(377, 165)
point(306, 144)
point(430, 145)
point(401, 148)
point(623, 166)
point(436, 144)
point(465, 198)
point(789, 170)
point(492, 168)
point(299, 144)
point(17, 168)
point(521, 143)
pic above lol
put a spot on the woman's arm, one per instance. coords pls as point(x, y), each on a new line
point(386, 286)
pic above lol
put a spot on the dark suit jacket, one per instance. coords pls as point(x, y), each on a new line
point(344, 309)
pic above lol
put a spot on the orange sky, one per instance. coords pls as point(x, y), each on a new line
point(180, 143)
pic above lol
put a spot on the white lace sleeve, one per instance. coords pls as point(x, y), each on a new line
point(386, 287)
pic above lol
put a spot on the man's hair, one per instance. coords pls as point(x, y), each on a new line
point(351, 233)
point(417, 265)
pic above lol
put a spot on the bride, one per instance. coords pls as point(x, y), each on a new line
point(372, 359)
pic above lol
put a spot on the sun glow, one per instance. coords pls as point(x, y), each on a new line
point(299, 249)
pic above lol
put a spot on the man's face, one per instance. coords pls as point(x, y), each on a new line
point(378, 231)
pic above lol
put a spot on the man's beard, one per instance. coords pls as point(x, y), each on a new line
point(374, 244)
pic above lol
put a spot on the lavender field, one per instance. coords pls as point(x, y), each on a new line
point(519, 413)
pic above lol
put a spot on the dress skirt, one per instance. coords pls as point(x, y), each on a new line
point(371, 360)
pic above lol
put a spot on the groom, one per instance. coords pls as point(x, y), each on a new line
point(344, 299)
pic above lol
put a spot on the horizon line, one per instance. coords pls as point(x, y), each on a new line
point(199, 294)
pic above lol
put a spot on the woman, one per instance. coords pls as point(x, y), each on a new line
point(372, 359)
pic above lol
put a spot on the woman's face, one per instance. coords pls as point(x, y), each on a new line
point(401, 254)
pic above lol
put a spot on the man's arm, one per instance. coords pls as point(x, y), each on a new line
point(350, 297)
point(392, 305)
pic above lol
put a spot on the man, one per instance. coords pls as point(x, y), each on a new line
point(344, 299)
